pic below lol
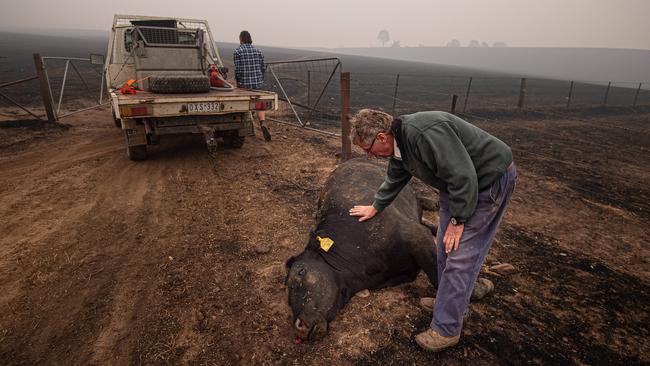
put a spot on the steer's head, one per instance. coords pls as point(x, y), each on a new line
point(314, 296)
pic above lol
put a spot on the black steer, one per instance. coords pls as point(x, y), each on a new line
point(345, 256)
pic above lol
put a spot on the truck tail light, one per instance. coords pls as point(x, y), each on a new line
point(134, 111)
point(262, 106)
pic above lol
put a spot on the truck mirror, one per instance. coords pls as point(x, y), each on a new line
point(96, 59)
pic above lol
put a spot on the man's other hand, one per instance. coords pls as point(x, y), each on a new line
point(452, 237)
point(363, 212)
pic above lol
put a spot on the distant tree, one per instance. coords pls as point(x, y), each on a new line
point(499, 44)
point(396, 44)
point(484, 44)
point(474, 43)
point(383, 36)
point(453, 43)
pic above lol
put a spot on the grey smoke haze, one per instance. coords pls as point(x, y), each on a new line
point(624, 67)
point(344, 23)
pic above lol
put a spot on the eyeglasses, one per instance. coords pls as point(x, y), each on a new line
point(371, 145)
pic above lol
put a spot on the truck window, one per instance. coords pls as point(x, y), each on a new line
point(128, 39)
point(158, 36)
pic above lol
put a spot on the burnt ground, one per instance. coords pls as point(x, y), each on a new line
point(180, 259)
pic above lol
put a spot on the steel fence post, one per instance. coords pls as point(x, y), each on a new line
point(469, 86)
point(395, 94)
point(522, 94)
point(454, 99)
point(636, 95)
point(346, 146)
point(606, 94)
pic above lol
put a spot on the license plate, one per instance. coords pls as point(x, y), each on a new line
point(206, 107)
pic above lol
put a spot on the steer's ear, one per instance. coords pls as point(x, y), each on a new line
point(312, 241)
point(287, 268)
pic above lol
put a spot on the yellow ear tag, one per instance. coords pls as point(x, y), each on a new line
point(325, 243)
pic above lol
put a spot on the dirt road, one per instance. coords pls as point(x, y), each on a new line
point(180, 259)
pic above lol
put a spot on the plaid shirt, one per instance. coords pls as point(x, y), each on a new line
point(249, 66)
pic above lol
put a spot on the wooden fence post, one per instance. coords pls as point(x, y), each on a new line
point(568, 99)
point(636, 95)
point(469, 86)
point(454, 99)
point(395, 94)
point(45, 88)
point(522, 94)
point(606, 94)
point(346, 145)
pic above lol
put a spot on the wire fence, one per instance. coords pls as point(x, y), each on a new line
point(308, 90)
point(484, 98)
point(406, 93)
point(310, 95)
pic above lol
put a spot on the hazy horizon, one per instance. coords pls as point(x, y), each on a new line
point(623, 67)
point(338, 23)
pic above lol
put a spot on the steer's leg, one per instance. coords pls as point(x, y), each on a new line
point(423, 248)
point(400, 279)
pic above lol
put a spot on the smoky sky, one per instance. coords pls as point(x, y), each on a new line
point(350, 23)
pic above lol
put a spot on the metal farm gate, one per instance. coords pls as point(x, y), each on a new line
point(309, 92)
point(82, 91)
point(61, 94)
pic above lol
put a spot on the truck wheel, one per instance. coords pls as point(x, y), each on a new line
point(137, 152)
point(117, 122)
point(233, 141)
point(179, 84)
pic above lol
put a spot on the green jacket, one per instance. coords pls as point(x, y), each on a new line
point(447, 153)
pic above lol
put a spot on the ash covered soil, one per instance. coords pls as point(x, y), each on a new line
point(180, 259)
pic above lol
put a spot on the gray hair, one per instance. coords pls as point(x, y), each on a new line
point(367, 123)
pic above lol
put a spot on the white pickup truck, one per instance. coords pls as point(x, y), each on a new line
point(170, 59)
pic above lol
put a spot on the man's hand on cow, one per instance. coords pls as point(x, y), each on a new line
point(363, 212)
point(452, 237)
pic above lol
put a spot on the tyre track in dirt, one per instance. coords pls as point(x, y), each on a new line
point(81, 234)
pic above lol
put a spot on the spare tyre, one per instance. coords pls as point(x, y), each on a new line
point(179, 84)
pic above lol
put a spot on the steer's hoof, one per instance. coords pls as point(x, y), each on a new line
point(427, 303)
point(363, 293)
point(482, 287)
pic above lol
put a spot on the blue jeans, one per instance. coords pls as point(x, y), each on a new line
point(458, 270)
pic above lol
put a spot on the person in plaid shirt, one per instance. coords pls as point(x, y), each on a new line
point(249, 72)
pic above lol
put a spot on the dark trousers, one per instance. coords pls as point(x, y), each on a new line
point(458, 270)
